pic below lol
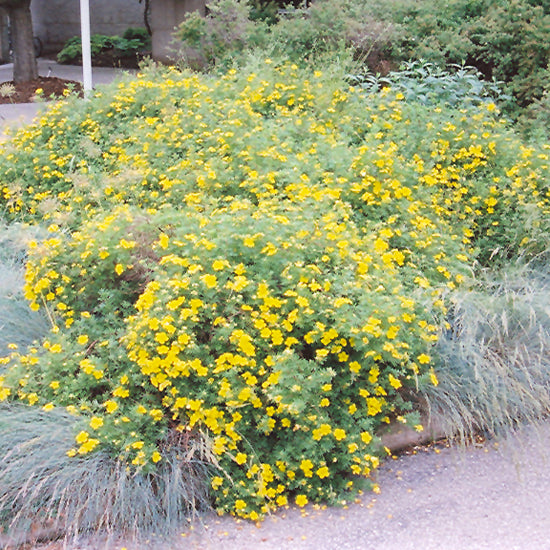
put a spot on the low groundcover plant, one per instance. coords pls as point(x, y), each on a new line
point(260, 262)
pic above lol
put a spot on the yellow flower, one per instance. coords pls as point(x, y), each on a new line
point(119, 268)
point(96, 422)
point(163, 240)
point(423, 358)
point(306, 465)
point(322, 472)
point(156, 414)
point(121, 392)
point(111, 406)
point(210, 280)
point(374, 406)
point(240, 458)
point(216, 482)
point(339, 434)
point(394, 382)
point(321, 431)
point(88, 446)
point(82, 340)
point(82, 437)
point(156, 457)
point(355, 367)
point(127, 244)
point(48, 407)
point(32, 398)
point(366, 437)
point(301, 500)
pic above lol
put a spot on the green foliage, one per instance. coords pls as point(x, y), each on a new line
point(259, 262)
point(534, 121)
point(506, 40)
point(428, 84)
point(132, 42)
point(231, 30)
point(224, 33)
point(137, 33)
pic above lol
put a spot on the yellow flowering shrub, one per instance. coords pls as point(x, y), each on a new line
point(259, 261)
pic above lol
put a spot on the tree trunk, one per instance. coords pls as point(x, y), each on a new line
point(24, 61)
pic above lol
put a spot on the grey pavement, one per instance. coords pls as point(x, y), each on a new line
point(494, 496)
point(480, 498)
point(14, 115)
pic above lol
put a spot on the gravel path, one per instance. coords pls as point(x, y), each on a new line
point(484, 497)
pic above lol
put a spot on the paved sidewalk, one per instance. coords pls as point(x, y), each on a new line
point(486, 497)
point(17, 114)
point(49, 67)
point(481, 498)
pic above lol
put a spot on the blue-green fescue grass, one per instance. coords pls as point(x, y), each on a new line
point(45, 493)
point(494, 361)
point(19, 325)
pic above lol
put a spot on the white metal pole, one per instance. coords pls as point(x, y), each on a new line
point(86, 49)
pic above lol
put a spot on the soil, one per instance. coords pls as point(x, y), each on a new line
point(26, 91)
point(111, 58)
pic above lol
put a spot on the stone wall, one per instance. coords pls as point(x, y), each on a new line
point(55, 21)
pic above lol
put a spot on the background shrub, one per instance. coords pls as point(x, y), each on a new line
point(133, 42)
point(429, 84)
point(505, 40)
point(231, 30)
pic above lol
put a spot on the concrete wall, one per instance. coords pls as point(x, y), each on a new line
point(55, 21)
point(166, 15)
point(4, 47)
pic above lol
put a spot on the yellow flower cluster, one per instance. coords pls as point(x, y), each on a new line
point(260, 260)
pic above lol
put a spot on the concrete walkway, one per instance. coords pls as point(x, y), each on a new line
point(14, 115)
point(486, 497)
